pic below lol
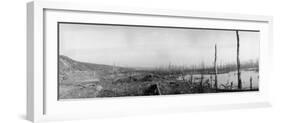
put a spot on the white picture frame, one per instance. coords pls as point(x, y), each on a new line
point(43, 105)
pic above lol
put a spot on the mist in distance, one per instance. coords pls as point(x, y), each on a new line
point(153, 46)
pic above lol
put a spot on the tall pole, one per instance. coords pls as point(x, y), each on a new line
point(215, 67)
point(238, 62)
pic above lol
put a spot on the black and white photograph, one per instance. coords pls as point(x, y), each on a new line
point(110, 60)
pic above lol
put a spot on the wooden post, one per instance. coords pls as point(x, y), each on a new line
point(215, 68)
point(238, 62)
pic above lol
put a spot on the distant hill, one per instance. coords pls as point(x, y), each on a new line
point(67, 64)
point(75, 71)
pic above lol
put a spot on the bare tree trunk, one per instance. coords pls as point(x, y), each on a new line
point(251, 83)
point(201, 83)
point(238, 62)
point(191, 78)
point(211, 81)
point(158, 89)
point(202, 76)
point(216, 69)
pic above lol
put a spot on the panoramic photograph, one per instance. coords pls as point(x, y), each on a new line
point(107, 60)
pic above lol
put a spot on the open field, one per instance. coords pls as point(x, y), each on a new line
point(84, 80)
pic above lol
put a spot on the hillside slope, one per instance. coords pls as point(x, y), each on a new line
point(68, 64)
point(75, 71)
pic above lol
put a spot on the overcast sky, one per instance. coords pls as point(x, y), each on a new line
point(153, 46)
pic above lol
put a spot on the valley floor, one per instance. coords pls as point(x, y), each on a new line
point(139, 83)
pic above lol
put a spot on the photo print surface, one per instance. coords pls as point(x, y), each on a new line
point(102, 60)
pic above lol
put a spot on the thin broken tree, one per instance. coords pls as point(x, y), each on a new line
point(238, 62)
point(215, 68)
